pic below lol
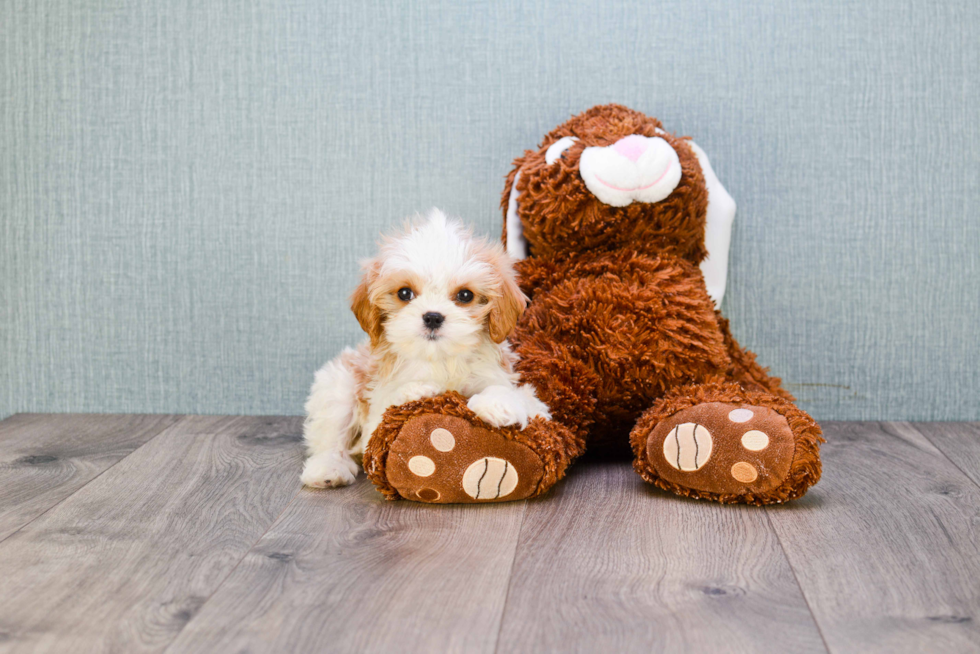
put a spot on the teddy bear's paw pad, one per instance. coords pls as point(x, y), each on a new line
point(725, 448)
point(444, 459)
point(490, 478)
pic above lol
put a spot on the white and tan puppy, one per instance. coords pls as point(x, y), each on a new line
point(437, 305)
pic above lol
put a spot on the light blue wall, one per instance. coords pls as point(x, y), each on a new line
point(186, 187)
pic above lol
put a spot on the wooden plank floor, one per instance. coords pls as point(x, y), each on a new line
point(192, 534)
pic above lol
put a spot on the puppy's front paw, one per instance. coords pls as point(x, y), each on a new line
point(415, 391)
point(502, 405)
point(329, 470)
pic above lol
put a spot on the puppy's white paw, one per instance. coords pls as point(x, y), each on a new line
point(504, 405)
point(329, 470)
point(534, 406)
point(415, 391)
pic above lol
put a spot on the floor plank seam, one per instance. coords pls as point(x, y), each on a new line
point(792, 569)
point(943, 452)
point(232, 571)
point(510, 578)
point(110, 467)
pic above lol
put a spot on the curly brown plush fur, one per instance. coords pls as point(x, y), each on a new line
point(630, 327)
point(620, 333)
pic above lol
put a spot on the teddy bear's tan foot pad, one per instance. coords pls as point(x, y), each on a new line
point(726, 448)
point(444, 459)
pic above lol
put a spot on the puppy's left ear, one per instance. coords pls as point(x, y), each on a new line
point(508, 307)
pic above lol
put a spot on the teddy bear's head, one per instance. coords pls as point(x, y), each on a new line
point(610, 178)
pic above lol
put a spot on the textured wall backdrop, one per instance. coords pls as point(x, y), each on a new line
point(186, 187)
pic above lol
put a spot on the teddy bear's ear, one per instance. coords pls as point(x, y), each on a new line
point(717, 230)
point(513, 229)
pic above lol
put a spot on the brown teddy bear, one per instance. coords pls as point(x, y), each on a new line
point(621, 338)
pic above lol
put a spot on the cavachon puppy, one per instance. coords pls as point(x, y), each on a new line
point(437, 305)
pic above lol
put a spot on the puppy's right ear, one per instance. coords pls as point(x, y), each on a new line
point(367, 313)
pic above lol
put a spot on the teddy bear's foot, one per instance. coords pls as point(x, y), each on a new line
point(445, 459)
point(437, 450)
point(730, 451)
point(723, 448)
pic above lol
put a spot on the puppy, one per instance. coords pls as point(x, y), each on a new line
point(437, 305)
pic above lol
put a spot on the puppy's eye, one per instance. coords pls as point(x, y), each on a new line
point(465, 296)
point(406, 294)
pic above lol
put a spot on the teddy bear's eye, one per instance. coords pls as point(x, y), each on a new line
point(556, 149)
point(406, 294)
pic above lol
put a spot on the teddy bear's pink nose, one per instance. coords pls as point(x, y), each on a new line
point(632, 146)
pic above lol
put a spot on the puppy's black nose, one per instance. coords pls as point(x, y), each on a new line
point(433, 319)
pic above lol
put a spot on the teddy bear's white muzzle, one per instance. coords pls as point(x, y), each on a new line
point(635, 168)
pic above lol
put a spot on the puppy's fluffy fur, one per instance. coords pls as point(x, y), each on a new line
point(437, 305)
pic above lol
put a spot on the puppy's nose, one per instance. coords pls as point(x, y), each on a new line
point(433, 319)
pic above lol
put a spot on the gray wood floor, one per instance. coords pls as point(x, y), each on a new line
point(192, 534)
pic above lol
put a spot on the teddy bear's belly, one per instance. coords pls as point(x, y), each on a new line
point(643, 325)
